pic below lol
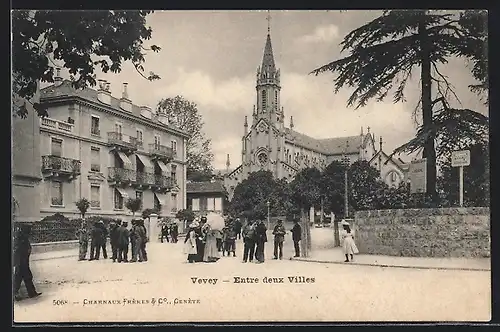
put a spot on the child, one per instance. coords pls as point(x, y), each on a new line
point(229, 240)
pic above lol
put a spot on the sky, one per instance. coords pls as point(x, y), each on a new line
point(211, 58)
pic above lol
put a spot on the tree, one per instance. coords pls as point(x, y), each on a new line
point(332, 186)
point(81, 41)
point(383, 53)
point(147, 212)
point(83, 205)
point(134, 205)
point(363, 183)
point(185, 215)
point(476, 179)
point(185, 115)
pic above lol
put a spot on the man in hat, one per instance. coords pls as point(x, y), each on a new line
point(22, 271)
point(114, 236)
point(248, 233)
point(237, 228)
point(143, 240)
point(174, 231)
point(104, 239)
point(135, 241)
point(279, 237)
point(96, 241)
point(83, 240)
point(123, 241)
point(296, 237)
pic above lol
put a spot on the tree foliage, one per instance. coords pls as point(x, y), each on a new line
point(332, 187)
point(83, 205)
point(147, 212)
point(134, 205)
point(81, 40)
point(185, 115)
point(384, 52)
point(185, 215)
point(364, 183)
point(306, 188)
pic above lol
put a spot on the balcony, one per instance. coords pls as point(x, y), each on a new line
point(64, 169)
point(121, 176)
point(162, 183)
point(56, 125)
point(122, 142)
point(161, 152)
point(144, 180)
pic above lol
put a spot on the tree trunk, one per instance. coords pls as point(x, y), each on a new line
point(429, 151)
point(336, 232)
point(304, 244)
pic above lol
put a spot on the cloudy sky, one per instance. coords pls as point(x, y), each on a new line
point(211, 58)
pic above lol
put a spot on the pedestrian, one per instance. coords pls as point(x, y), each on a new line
point(174, 232)
point(135, 241)
point(218, 238)
point(83, 240)
point(296, 237)
point(230, 239)
point(22, 271)
point(104, 239)
point(248, 234)
point(123, 242)
point(114, 236)
point(210, 251)
point(96, 241)
point(237, 228)
point(190, 242)
point(200, 239)
point(348, 244)
point(279, 237)
point(261, 239)
point(144, 240)
point(164, 231)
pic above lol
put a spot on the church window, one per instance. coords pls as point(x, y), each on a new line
point(262, 158)
point(264, 100)
point(276, 100)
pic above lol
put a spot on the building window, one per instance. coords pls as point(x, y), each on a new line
point(264, 100)
point(138, 194)
point(157, 142)
point(94, 126)
point(139, 136)
point(156, 203)
point(203, 204)
point(119, 130)
point(57, 194)
point(173, 173)
point(195, 204)
point(56, 147)
point(174, 202)
point(95, 196)
point(174, 145)
point(276, 100)
point(118, 200)
point(95, 160)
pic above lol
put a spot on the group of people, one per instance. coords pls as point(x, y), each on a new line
point(121, 238)
point(169, 229)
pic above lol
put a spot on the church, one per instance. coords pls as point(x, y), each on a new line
point(267, 144)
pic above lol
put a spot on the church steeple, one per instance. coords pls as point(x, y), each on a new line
point(268, 65)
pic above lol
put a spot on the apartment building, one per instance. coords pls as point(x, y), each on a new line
point(107, 150)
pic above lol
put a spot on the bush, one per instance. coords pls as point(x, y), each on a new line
point(56, 217)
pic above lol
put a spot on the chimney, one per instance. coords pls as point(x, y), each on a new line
point(108, 86)
point(58, 78)
point(125, 92)
point(291, 122)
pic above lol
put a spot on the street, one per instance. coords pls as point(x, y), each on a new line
point(168, 289)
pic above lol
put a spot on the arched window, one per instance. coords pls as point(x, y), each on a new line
point(264, 100)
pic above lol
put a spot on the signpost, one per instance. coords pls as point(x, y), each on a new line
point(461, 159)
point(418, 176)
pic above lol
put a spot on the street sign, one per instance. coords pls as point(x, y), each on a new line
point(460, 158)
point(418, 176)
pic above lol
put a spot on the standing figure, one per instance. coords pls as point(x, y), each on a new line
point(200, 239)
point(210, 252)
point(104, 239)
point(248, 233)
point(174, 232)
point(135, 241)
point(296, 237)
point(96, 241)
point(348, 244)
point(144, 239)
point(164, 231)
point(123, 241)
point(83, 240)
point(279, 237)
point(261, 239)
point(190, 242)
point(22, 271)
point(230, 239)
point(114, 236)
point(237, 227)
point(218, 238)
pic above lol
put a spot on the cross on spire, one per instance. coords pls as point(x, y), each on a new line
point(268, 18)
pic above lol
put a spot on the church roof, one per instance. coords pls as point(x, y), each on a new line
point(328, 146)
point(268, 64)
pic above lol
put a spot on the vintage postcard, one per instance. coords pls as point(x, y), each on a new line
point(250, 166)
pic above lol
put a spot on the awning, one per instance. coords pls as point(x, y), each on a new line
point(145, 161)
point(126, 161)
point(160, 198)
point(122, 192)
point(163, 167)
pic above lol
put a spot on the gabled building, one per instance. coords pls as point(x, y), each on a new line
point(107, 149)
point(207, 196)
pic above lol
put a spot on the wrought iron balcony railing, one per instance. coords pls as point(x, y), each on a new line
point(145, 178)
point(163, 181)
point(61, 165)
point(117, 138)
point(116, 174)
point(161, 150)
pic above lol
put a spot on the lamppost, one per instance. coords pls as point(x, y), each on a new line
point(268, 214)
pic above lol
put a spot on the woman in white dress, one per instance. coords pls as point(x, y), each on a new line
point(348, 244)
point(190, 243)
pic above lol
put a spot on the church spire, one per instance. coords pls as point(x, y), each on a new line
point(268, 64)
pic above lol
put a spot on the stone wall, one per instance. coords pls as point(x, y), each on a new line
point(449, 232)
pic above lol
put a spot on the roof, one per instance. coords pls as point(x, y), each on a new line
point(268, 64)
point(398, 162)
point(205, 187)
point(328, 146)
point(65, 89)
